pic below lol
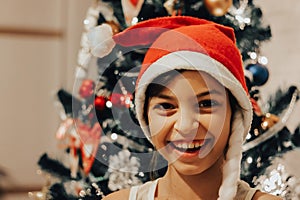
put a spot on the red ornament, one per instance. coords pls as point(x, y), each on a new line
point(134, 2)
point(121, 100)
point(100, 102)
point(86, 89)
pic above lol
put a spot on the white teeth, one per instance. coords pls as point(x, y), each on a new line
point(197, 145)
point(187, 145)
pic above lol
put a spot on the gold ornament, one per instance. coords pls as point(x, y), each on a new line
point(268, 121)
point(114, 26)
point(218, 8)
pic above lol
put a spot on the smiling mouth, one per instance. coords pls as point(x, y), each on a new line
point(188, 147)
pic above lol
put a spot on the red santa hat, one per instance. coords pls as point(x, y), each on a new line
point(179, 42)
point(182, 42)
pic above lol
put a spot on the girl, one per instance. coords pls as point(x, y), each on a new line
point(192, 104)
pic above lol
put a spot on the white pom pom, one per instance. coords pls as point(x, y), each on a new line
point(101, 41)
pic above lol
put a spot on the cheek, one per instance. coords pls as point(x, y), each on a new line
point(224, 126)
point(159, 130)
point(157, 124)
point(219, 124)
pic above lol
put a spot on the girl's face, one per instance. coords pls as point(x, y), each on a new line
point(189, 121)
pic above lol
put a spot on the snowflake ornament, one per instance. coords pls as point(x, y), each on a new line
point(123, 170)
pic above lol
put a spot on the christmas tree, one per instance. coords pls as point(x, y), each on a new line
point(105, 148)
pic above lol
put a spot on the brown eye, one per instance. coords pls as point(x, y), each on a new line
point(164, 106)
point(164, 109)
point(208, 103)
point(206, 106)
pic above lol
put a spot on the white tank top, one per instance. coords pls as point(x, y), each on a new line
point(147, 191)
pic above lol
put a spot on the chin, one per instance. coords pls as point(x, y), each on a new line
point(188, 169)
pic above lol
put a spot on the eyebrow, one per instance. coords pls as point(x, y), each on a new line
point(209, 92)
point(202, 94)
point(164, 96)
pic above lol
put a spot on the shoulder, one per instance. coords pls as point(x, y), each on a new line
point(245, 191)
point(118, 195)
point(264, 196)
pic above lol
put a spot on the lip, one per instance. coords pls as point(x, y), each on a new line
point(188, 154)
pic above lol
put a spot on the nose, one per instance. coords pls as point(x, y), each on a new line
point(186, 122)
